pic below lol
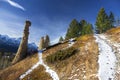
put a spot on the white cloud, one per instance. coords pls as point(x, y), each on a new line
point(14, 4)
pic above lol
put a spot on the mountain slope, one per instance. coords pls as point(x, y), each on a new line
point(83, 65)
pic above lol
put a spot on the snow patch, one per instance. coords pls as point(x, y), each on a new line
point(71, 42)
point(50, 71)
point(116, 48)
point(29, 71)
point(106, 60)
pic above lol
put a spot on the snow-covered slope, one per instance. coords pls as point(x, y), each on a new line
point(107, 59)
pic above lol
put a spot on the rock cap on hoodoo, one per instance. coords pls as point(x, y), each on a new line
point(28, 23)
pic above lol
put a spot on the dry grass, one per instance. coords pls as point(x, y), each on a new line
point(117, 76)
point(84, 60)
point(83, 63)
point(114, 34)
point(114, 31)
point(82, 40)
point(54, 49)
point(38, 74)
point(14, 71)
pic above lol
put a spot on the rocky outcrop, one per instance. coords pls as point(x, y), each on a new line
point(41, 45)
point(47, 41)
point(44, 42)
point(22, 50)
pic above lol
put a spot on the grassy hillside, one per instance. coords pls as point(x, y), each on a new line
point(38, 74)
point(114, 34)
point(80, 65)
point(14, 71)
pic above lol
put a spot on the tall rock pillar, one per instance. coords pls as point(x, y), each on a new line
point(47, 41)
point(22, 50)
point(44, 42)
point(41, 45)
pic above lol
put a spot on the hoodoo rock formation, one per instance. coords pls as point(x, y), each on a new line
point(44, 42)
point(22, 50)
point(41, 45)
point(47, 41)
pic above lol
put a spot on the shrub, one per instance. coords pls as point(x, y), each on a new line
point(61, 55)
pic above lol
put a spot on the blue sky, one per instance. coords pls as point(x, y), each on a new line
point(50, 17)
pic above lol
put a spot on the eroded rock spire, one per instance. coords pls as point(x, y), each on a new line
point(41, 45)
point(44, 42)
point(22, 50)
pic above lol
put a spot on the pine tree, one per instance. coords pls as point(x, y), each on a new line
point(83, 22)
point(47, 41)
point(86, 27)
point(73, 30)
point(61, 39)
point(89, 29)
point(117, 21)
point(102, 22)
point(108, 24)
point(112, 19)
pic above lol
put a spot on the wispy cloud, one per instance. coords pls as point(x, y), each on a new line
point(14, 4)
point(9, 24)
point(13, 25)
